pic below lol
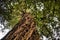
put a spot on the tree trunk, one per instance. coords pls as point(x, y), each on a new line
point(24, 30)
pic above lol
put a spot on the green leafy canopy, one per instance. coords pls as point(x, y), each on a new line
point(43, 11)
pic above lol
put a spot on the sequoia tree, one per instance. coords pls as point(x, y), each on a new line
point(25, 29)
point(44, 13)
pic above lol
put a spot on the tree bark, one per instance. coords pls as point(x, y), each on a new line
point(24, 30)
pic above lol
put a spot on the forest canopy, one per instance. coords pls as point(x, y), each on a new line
point(44, 12)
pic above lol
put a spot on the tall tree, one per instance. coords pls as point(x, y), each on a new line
point(24, 30)
point(44, 12)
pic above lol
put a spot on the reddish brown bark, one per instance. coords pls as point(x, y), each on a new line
point(24, 30)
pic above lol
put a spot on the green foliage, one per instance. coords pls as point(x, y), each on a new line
point(43, 11)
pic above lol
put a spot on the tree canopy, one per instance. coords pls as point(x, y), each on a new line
point(44, 12)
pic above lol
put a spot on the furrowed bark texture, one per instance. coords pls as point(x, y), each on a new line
point(24, 30)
